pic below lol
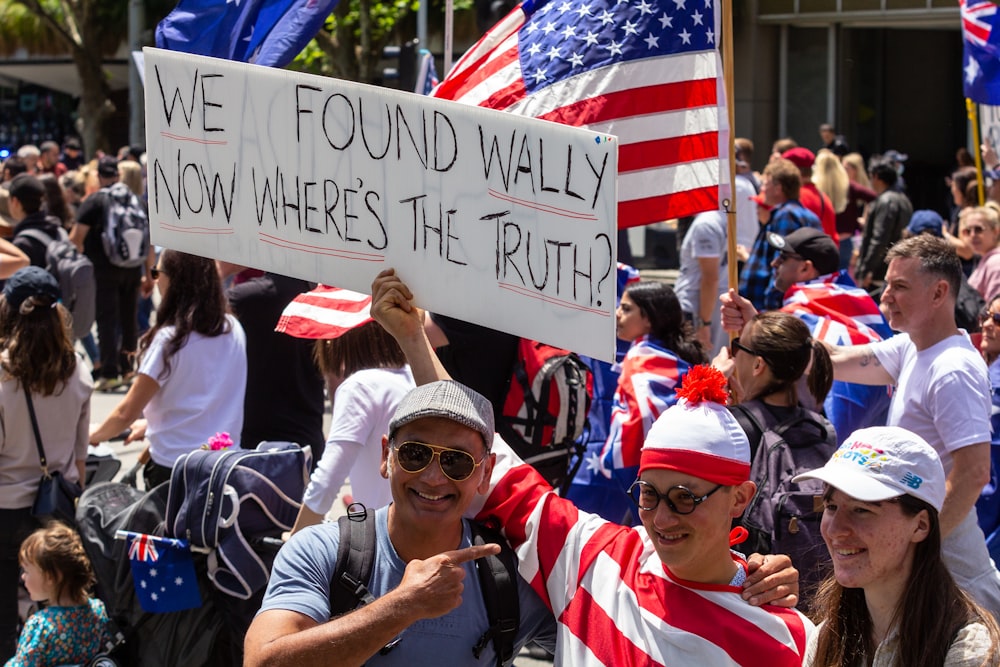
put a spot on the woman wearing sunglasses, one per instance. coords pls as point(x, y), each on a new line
point(663, 349)
point(890, 599)
point(980, 227)
point(192, 369)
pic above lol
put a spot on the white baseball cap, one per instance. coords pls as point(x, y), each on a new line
point(884, 462)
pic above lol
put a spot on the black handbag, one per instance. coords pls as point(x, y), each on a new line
point(57, 496)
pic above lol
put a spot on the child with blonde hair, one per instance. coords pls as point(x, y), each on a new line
point(72, 627)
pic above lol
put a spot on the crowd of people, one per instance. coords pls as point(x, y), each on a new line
point(852, 313)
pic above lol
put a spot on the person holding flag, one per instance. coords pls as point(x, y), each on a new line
point(838, 313)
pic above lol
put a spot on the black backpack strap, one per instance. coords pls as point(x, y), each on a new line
point(498, 581)
point(355, 559)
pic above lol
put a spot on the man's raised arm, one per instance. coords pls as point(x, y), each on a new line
point(392, 309)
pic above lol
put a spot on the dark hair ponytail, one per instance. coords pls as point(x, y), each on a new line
point(659, 304)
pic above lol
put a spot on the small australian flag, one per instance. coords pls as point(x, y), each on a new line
point(163, 573)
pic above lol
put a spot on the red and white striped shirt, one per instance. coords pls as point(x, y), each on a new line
point(615, 601)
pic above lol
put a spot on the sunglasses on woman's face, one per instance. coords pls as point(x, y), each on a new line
point(986, 317)
point(456, 464)
point(154, 273)
point(735, 345)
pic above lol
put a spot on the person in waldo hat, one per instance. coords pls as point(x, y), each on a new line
point(890, 599)
point(670, 592)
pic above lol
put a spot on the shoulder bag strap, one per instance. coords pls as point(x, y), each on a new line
point(38, 436)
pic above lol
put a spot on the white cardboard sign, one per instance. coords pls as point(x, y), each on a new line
point(505, 221)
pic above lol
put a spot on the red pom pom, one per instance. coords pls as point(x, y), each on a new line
point(704, 383)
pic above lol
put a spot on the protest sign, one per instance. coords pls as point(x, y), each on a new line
point(496, 219)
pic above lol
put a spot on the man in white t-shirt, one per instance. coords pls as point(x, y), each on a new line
point(942, 392)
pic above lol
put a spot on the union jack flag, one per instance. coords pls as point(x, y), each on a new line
point(837, 311)
point(840, 313)
point(646, 71)
point(143, 548)
point(981, 51)
point(649, 378)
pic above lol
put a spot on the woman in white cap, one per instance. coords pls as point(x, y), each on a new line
point(890, 599)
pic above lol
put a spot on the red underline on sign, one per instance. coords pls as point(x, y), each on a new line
point(320, 250)
point(566, 213)
point(196, 230)
point(179, 137)
point(524, 291)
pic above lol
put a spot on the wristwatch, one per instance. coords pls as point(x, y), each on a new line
point(706, 323)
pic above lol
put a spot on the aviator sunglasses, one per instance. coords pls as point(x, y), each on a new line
point(457, 465)
point(679, 499)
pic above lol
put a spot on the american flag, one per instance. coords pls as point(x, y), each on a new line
point(646, 71)
point(325, 313)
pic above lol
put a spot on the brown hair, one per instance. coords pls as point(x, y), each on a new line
point(194, 302)
point(967, 183)
point(39, 344)
point(786, 345)
point(784, 144)
point(366, 346)
point(937, 258)
point(57, 551)
point(787, 175)
point(930, 613)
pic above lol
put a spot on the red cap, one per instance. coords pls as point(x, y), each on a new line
point(802, 158)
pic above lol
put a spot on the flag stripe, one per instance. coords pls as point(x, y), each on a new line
point(637, 212)
point(650, 154)
point(668, 125)
point(635, 102)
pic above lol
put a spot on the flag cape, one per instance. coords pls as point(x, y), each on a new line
point(649, 378)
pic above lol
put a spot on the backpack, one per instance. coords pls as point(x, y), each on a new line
point(783, 516)
point(125, 236)
point(226, 500)
point(75, 274)
point(497, 580)
point(545, 410)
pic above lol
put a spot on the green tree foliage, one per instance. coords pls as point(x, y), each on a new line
point(88, 30)
point(350, 44)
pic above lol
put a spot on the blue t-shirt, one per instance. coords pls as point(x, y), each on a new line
point(300, 582)
point(62, 636)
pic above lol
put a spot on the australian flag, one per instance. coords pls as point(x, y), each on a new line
point(263, 32)
point(163, 573)
point(981, 53)
point(649, 379)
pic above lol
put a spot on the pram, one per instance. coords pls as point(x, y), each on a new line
point(211, 635)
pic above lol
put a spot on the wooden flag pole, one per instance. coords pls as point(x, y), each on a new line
point(970, 108)
point(729, 204)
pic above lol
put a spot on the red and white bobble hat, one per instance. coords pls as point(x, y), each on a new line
point(699, 436)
